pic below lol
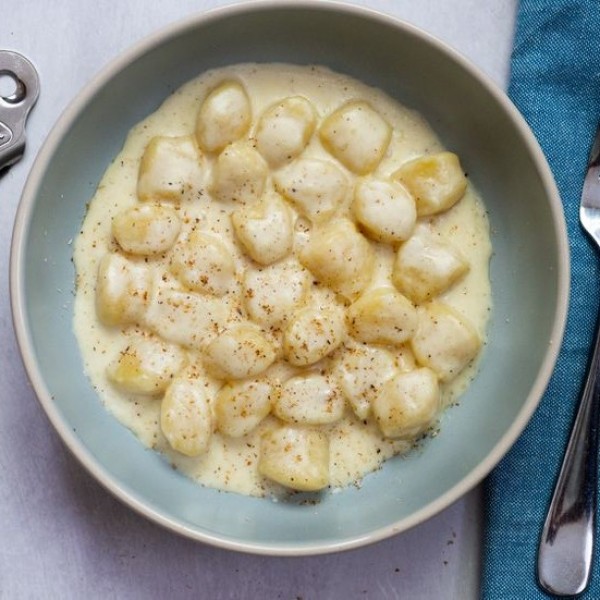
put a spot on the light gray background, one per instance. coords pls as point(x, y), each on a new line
point(61, 534)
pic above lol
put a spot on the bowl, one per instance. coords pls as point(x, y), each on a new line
point(529, 270)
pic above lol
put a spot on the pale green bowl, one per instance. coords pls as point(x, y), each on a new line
point(529, 270)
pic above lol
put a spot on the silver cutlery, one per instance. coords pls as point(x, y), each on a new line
point(567, 541)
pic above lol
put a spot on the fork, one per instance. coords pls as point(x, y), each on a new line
point(567, 541)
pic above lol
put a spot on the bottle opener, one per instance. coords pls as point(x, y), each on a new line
point(15, 105)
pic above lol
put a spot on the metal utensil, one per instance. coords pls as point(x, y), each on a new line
point(15, 105)
point(567, 542)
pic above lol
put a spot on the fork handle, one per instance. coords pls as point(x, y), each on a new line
point(567, 541)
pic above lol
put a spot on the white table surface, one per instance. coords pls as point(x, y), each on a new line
point(61, 534)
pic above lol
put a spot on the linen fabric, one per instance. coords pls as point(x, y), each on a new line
point(555, 83)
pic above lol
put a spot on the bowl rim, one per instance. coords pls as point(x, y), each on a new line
point(23, 331)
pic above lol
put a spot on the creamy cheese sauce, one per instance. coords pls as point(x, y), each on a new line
point(356, 447)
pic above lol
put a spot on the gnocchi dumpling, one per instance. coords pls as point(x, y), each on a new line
point(317, 188)
point(361, 372)
point(123, 290)
point(340, 257)
point(170, 169)
point(241, 406)
point(186, 417)
point(272, 294)
point(407, 404)
point(313, 333)
point(309, 400)
point(265, 229)
point(239, 352)
point(239, 174)
point(202, 263)
point(437, 182)
point(187, 318)
point(382, 316)
point(146, 230)
point(295, 457)
point(224, 116)
point(385, 210)
point(357, 135)
point(284, 130)
point(444, 341)
point(146, 365)
point(426, 266)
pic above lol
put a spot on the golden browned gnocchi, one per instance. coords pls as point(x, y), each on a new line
point(282, 280)
point(339, 257)
point(146, 365)
point(437, 182)
point(171, 169)
point(224, 116)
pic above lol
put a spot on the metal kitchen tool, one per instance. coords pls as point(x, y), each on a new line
point(15, 105)
point(567, 542)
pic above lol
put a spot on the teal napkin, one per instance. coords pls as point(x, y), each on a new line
point(555, 83)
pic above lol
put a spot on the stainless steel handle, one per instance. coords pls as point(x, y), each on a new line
point(566, 545)
point(15, 107)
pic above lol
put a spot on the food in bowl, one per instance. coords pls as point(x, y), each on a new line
point(282, 279)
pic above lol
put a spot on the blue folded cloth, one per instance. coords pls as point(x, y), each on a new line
point(555, 83)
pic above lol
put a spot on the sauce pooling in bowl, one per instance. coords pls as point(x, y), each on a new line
point(282, 279)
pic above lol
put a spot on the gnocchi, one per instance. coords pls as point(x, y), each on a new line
point(309, 400)
point(361, 372)
point(284, 130)
point(357, 135)
point(240, 352)
point(444, 341)
point(186, 417)
point(382, 316)
point(224, 116)
point(426, 266)
point(146, 365)
point(295, 457)
point(407, 404)
point(123, 290)
point(272, 294)
point(282, 280)
point(186, 318)
point(241, 406)
point(384, 210)
point(437, 182)
point(265, 229)
point(239, 174)
point(146, 230)
point(317, 188)
point(202, 263)
point(313, 333)
point(171, 169)
point(340, 257)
